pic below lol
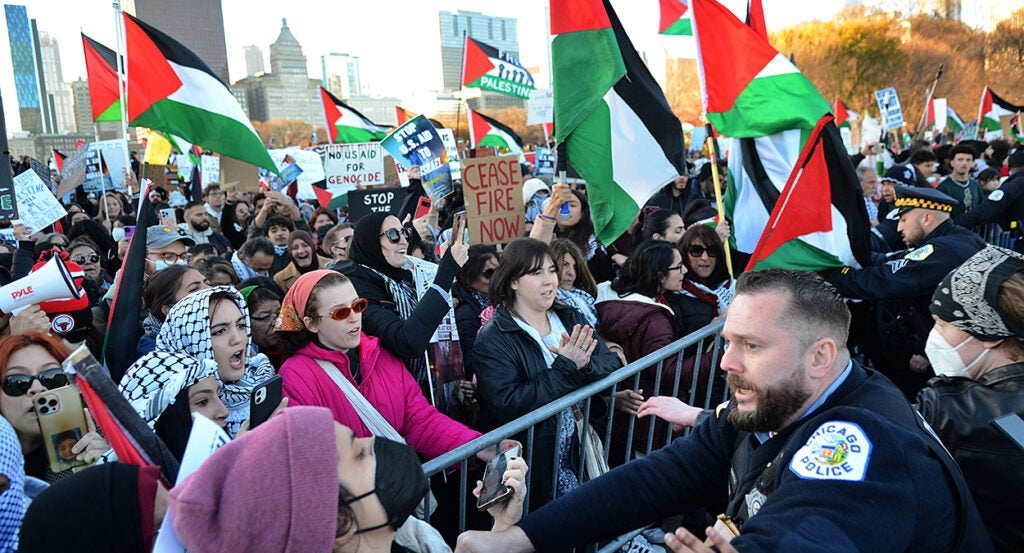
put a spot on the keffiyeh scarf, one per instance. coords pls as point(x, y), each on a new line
point(12, 501)
point(153, 382)
point(187, 331)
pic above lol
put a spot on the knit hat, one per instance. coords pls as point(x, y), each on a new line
point(532, 186)
point(273, 489)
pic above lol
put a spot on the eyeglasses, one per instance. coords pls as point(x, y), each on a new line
point(488, 273)
point(263, 318)
point(18, 384)
point(342, 313)
point(697, 251)
point(83, 259)
point(681, 268)
point(171, 257)
point(395, 235)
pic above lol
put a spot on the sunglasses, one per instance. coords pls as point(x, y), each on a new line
point(395, 235)
point(697, 251)
point(83, 259)
point(18, 384)
point(342, 313)
point(488, 273)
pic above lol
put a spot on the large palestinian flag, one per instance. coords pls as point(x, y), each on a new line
point(488, 68)
point(101, 72)
point(171, 90)
point(484, 131)
point(760, 99)
point(346, 125)
point(619, 131)
point(992, 108)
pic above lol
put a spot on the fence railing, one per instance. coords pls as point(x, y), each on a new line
point(702, 350)
point(994, 234)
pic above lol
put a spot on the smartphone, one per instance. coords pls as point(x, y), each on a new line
point(263, 399)
point(1013, 427)
point(423, 208)
point(129, 230)
point(457, 218)
point(494, 491)
point(62, 423)
point(167, 213)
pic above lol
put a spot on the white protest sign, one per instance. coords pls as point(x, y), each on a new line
point(350, 166)
point(541, 108)
point(210, 169)
point(206, 437)
point(184, 164)
point(939, 105)
point(113, 156)
point(454, 164)
point(312, 168)
point(889, 107)
point(37, 206)
point(870, 131)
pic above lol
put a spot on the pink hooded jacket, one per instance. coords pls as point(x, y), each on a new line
point(386, 384)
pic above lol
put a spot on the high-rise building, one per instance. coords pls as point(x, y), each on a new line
point(58, 92)
point(286, 92)
point(27, 81)
point(253, 60)
point(198, 24)
point(499, 32)
point(83, 110)
point(340, 74)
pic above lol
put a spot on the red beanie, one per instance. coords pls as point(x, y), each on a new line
point(274, 489)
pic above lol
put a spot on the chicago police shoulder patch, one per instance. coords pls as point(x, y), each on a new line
point(837, 450)
point(996, 195)
point(920, 254)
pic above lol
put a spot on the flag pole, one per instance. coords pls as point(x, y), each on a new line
point(462, 97)
point(981, 106)
point(927, 103)
point(122, 88)
point(713, 152)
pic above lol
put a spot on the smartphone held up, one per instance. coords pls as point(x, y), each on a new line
point(494, 490)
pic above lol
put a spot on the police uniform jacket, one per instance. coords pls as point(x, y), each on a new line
point(960, 410)
point(1004, 206)
point(859, 473)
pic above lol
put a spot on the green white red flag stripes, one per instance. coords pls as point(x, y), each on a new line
point(345, 125)
point(171, 90)
point(674, 20)
point(484, 131)
point(619, 131)
point(487, 68)
point(101, 72)
point(843, 113)
point(991, 108)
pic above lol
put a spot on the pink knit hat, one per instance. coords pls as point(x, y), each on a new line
point(274, 489)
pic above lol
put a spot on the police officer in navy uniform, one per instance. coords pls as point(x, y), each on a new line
point(885, 237)
point(812, 453)
point(1004, 205)
point(903, 284)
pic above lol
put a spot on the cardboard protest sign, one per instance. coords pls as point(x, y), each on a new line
point(418, 143)
point(364, 202)
point(454, 165)
point(239, 175)
point(493, 189)
point(889, 107)
point(37, 206)
point(351, 166)
point(541, 108)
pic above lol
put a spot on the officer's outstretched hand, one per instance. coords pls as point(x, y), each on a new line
point(682, 541)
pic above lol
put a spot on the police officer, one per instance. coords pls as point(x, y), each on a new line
point(1004, 205)
point(885, 236)
point(812, 453)
point(903, 284)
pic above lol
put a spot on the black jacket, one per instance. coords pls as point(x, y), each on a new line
point(961, 410)
point(1004, 206)
point(467, 319)
point(513, 380)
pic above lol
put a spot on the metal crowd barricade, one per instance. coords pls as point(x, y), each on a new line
point(703, 345)
point(994, 234)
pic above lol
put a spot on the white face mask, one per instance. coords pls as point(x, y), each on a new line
point(944, 358)
point(161, 264)
point(117, 233)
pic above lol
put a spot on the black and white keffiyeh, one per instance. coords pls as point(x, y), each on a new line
point(153, 382)
point(968, 297)
point(187, 331)
point(12, 501)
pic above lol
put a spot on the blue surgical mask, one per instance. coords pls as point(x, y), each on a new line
point(161, 264)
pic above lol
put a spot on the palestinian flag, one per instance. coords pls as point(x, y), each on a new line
point(346, 125)
point(843, 114)
point(993, 107)
point(487, 68)
point(819, 219)
point(171, 90)
point(619, 132)
point(58, 159)
point(953, 120)
point(402, 116)
point(755, 18)
point(757, 97)
point(674, 19)
point(326, 198)
point(484, 131)
point(101, 72)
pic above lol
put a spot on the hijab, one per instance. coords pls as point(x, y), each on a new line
point(107, 507)
point(365, 248)
point(187, 331)
point(308, 239)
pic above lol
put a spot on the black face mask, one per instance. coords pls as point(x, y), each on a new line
point(399, 482)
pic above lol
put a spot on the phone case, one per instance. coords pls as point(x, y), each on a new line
point(265, 397)
point(493, 491)
point(62, 423)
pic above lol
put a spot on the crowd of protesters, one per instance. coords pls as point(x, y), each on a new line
point(398, 341)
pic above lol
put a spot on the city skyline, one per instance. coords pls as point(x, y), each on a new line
point(378, 33)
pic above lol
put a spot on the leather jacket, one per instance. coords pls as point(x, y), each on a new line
point(961, 410)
